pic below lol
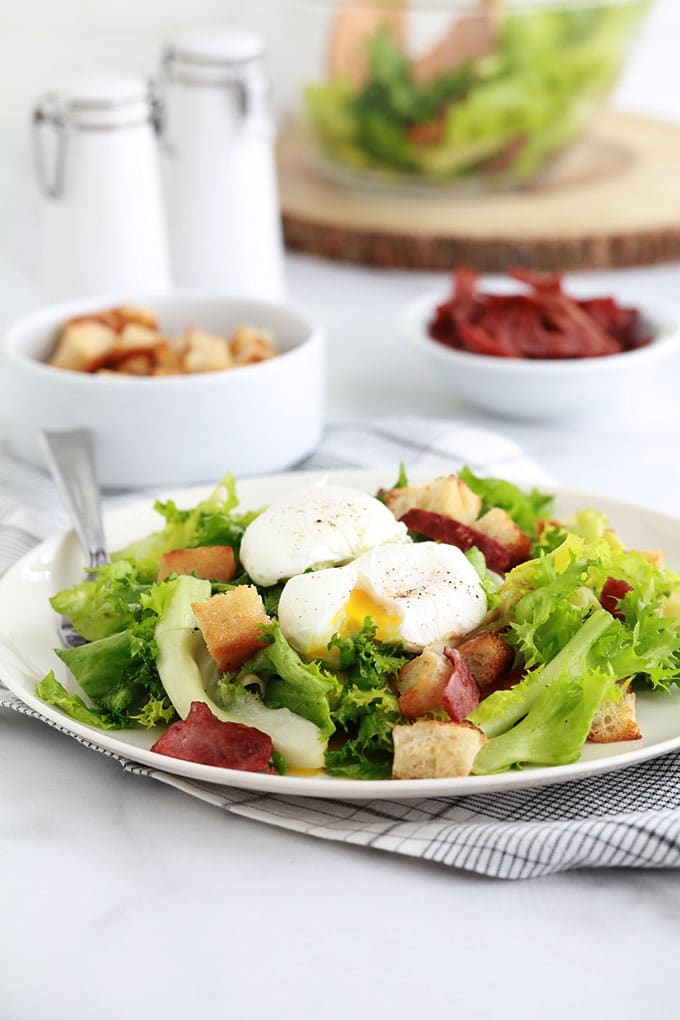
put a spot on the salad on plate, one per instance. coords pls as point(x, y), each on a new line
point(427, 631)
point(499, 108)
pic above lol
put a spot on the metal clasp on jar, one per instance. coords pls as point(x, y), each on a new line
point(245, 78)
point(59, 116)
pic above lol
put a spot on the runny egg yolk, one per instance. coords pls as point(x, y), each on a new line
point(362, 604)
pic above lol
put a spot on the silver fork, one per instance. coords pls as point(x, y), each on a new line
point(70, 458)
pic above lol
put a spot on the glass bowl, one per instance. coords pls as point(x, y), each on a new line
point(433, 93)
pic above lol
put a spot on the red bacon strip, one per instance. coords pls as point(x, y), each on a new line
point(461, 694)
point(203, 738)
point(440, 528)
point(545, 323)
point(433, 682)
point(613, 590)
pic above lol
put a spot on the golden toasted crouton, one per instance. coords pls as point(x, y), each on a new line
point(448, 496)
point(110, 317)
point(205, 352)
point(166, 360)
point(435, 750)
point(137, 314)
point(249, 345)
point(117, 318)
point(499, 525)
point(83, 346)
point(135, 338)
point(421, 682)
point(213, 562)
point(134, 364)
point(487, 656)
point(615, 720)
point(231, 624)
point(657, 557)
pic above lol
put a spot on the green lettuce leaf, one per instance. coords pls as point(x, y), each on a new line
point(108, 603)
point(525, 508)
point(554, 729)
point(367, 718)
point(504, 113)
point(303, 687)
point(546, 718)
point(52, 692)
point(213, 521)
point(119, 672)
point(368, 708)
point(545, 601)
point(502, 709)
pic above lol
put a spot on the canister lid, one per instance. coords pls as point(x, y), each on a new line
point(218, 46)
point(103, 89)
point(213, 56)
point(101, 99)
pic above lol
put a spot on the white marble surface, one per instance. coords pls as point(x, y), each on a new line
point(121, 898)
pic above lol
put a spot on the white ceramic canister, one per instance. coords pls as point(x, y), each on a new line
point(96, 152)
point(219, 168)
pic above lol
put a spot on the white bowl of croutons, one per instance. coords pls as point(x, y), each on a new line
point(175, 389)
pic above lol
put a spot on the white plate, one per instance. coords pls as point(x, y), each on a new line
point(28, 635)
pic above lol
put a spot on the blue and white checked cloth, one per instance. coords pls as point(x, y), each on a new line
point(628, 818)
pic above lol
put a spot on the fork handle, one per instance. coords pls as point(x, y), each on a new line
point(70, 458)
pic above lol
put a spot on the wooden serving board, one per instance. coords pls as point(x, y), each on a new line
point(611, 200)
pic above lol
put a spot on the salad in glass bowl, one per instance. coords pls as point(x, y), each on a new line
point(484, 90)
point(428, 631)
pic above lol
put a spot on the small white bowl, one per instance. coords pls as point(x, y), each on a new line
point(543, 388)
point(173, 430)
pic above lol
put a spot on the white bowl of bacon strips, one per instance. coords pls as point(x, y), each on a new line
point(527, 347)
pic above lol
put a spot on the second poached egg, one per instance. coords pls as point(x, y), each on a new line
point(418, 594)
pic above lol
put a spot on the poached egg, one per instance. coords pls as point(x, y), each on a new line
point(418, 593)
point(317, 527)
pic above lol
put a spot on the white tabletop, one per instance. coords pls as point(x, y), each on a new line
point(123, 898)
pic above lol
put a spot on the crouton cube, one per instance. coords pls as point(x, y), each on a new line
point(134, 364)
point(487, 656)
point(212, 562)
point(421, 683)
point(449, 496)
point(231, 624)
point(249, 345)
point(499, 525)
point(110, 317)
point(614, 721)
point(205, 352)
point(435, 750)
point(134, 337)
point(137, 314)
point(657, 557)
point(166, 360)
point(83, 346)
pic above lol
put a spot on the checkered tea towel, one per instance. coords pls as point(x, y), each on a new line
point(625, 818)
